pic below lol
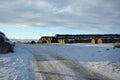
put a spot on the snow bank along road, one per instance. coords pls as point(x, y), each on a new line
point(74, 61)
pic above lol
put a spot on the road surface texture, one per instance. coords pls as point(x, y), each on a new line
point(50, 66)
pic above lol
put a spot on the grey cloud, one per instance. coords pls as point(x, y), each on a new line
point(75, 14)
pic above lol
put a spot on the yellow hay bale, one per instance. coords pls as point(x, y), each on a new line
point(99, 41)
point(61, 41)
point(93, 41)
point(49, 38)
point(48, 41)
point(43, 39)
point(39, 41)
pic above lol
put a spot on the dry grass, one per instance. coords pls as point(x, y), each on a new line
point(117, 45)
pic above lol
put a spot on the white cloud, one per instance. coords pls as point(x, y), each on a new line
point(42, 4)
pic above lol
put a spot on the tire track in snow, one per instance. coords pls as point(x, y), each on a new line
point(55, 66)
point(42, 65)
point(79, 71)
point(59, 69)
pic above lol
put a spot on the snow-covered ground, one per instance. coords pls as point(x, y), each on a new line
point(15, 66)
point(101, 58)
point(23, 40)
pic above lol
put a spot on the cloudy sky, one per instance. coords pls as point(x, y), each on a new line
point(34, 18)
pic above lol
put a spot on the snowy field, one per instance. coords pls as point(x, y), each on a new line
point(100, 58)
point(15, 66)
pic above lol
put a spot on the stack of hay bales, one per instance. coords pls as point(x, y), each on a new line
point(48, 41)
point(39, 41)
point(49, 38)
point(99, 41)
point(5, 44)
point(61, 41)
point(93, 41)
point(45, 40)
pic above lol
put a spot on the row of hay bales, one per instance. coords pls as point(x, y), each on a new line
point(63, 41)
point(93, 41)
point(98, 41)
point(47, 40)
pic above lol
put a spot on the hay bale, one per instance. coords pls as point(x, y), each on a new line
point(93, 41)
point(117, 45)
point(61, 41)
point(39, 41)
point(48, 41)
point(49, 38)
point(99, 41)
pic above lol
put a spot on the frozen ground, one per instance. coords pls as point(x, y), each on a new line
point(54, 60)
point(101, 58)
point(15, 66)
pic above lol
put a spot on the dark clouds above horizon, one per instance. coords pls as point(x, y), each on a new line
point(84, 15)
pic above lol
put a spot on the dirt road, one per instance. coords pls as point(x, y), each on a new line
point(50, 66)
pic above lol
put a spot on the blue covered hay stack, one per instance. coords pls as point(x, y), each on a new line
point(5, 44)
